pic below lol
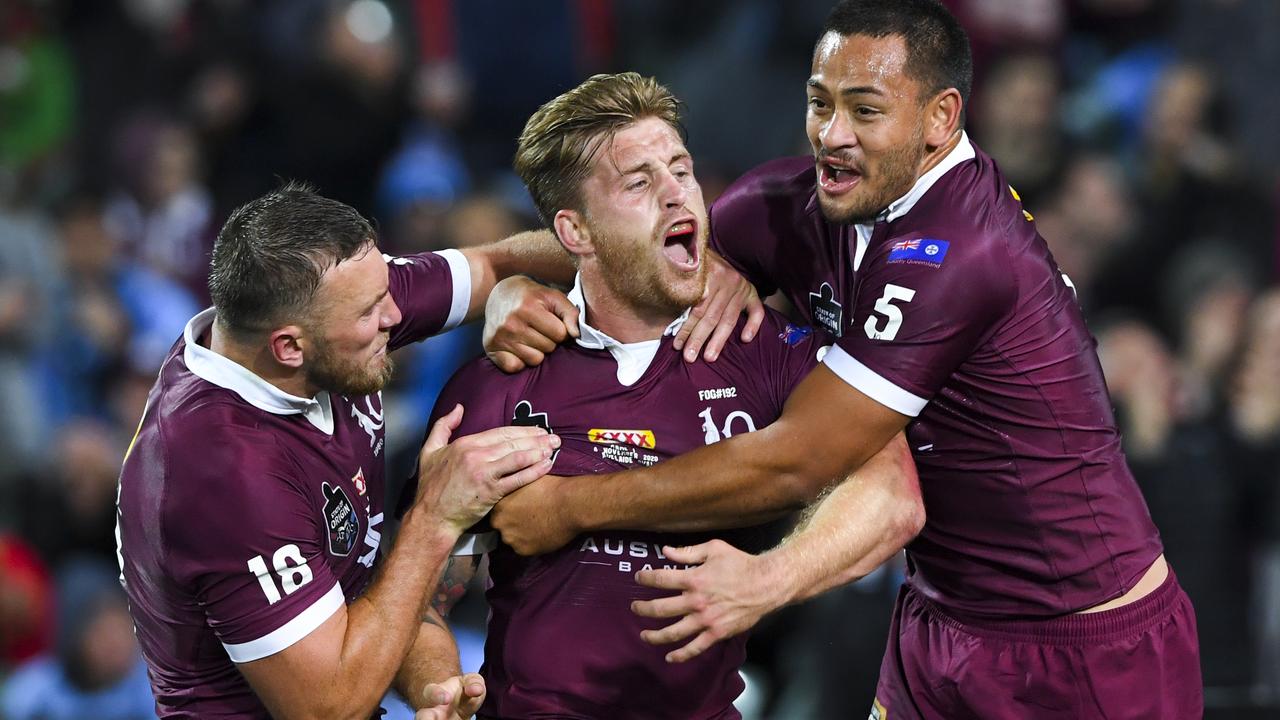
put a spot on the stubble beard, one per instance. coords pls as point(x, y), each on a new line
point(897, 173)
point(640, 278)
point(341, 375)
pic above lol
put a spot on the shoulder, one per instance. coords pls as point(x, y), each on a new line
point(482, 389)
point(221, 450)
point(777, 339)
point(785, 183)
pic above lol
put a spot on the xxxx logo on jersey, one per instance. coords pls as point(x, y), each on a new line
point(638, 438)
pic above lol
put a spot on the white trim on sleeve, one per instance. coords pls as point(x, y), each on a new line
point(291, 632)
point(460, 270)
point(476, 544)
point(872, 384)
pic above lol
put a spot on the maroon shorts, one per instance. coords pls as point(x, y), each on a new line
point(1141, 660)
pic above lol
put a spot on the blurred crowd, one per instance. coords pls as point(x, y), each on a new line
point(1139, 133)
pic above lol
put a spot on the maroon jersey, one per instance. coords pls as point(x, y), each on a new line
point(950, 309)
point(562, 640)
point(248, 516)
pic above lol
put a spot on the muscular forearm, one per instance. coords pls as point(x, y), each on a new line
point(433, 658)
point(851, 531)
point(380, 623)
point(783, 466)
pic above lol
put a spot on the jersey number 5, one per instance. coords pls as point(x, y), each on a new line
point(290, 566)
point(891, 312)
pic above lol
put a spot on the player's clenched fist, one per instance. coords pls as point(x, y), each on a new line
point(524, 321)
point(460, 481)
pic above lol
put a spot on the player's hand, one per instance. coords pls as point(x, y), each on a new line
point(532, 520)
point(460, 481)
point(726, 594)
point(457, 698)
point(712, 320)
point(523, 321)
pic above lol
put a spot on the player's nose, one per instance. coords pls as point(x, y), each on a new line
point(673, 193)
point(390, 316)
point(838, 132)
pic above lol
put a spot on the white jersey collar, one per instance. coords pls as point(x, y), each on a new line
point(961, 152)
point(632, 358)
point(226, 373)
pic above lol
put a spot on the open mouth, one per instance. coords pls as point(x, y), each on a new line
point(680, 245)
point(835, 177)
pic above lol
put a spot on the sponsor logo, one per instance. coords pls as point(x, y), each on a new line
point(919, 251)
point(625, 555)
point(358, 481)
point(340, 519)
point(639, 438)
point(825, 311)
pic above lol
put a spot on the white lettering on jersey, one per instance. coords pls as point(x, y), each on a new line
point(371, 423)
point(372, 539)
point(289, 565)
point(712, 434)
point(717, 394)
point(891, 312)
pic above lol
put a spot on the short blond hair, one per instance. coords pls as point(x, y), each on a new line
point(561, 139)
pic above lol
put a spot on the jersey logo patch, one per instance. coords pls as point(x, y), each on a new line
point(524, 416)
point(340, 518)
point(639, 438)
point(920, 251)
point(361, 486)
point(825, 311)
point(793, 334)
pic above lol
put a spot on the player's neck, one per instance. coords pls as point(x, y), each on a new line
point(932, 160)
point(619, 319)
point(258, 360)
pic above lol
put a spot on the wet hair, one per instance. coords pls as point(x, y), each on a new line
point(561, 139)
point(938, 55)
point(271, 253)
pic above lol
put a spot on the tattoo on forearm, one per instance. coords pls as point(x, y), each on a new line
point(453, 583)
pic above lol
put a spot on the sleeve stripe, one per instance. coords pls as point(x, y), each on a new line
point(476, 544)
point(289, 633)
point(460, 270)
point(872, 384)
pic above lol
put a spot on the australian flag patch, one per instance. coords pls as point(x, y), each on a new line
point(919, 251)
point(793, 334)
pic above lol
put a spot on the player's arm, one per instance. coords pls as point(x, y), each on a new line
point(850, 531)
point(344, 666)
point(536, 253)
point(525, 320)
point(827, 430)
point(430, 676)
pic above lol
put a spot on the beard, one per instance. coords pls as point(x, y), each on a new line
point(341, 375)
point(635, 273)
point(895, 174)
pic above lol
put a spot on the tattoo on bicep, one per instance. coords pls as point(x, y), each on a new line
point(458, 571)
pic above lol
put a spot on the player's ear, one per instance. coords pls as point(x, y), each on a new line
point(942, 117)
point(573, 233)
point(287, 345)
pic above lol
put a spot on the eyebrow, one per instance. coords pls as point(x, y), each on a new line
point(643, 166)
point(855, 90)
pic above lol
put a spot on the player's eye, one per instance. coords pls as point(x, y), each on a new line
point(638, 184)
point(817, 104)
